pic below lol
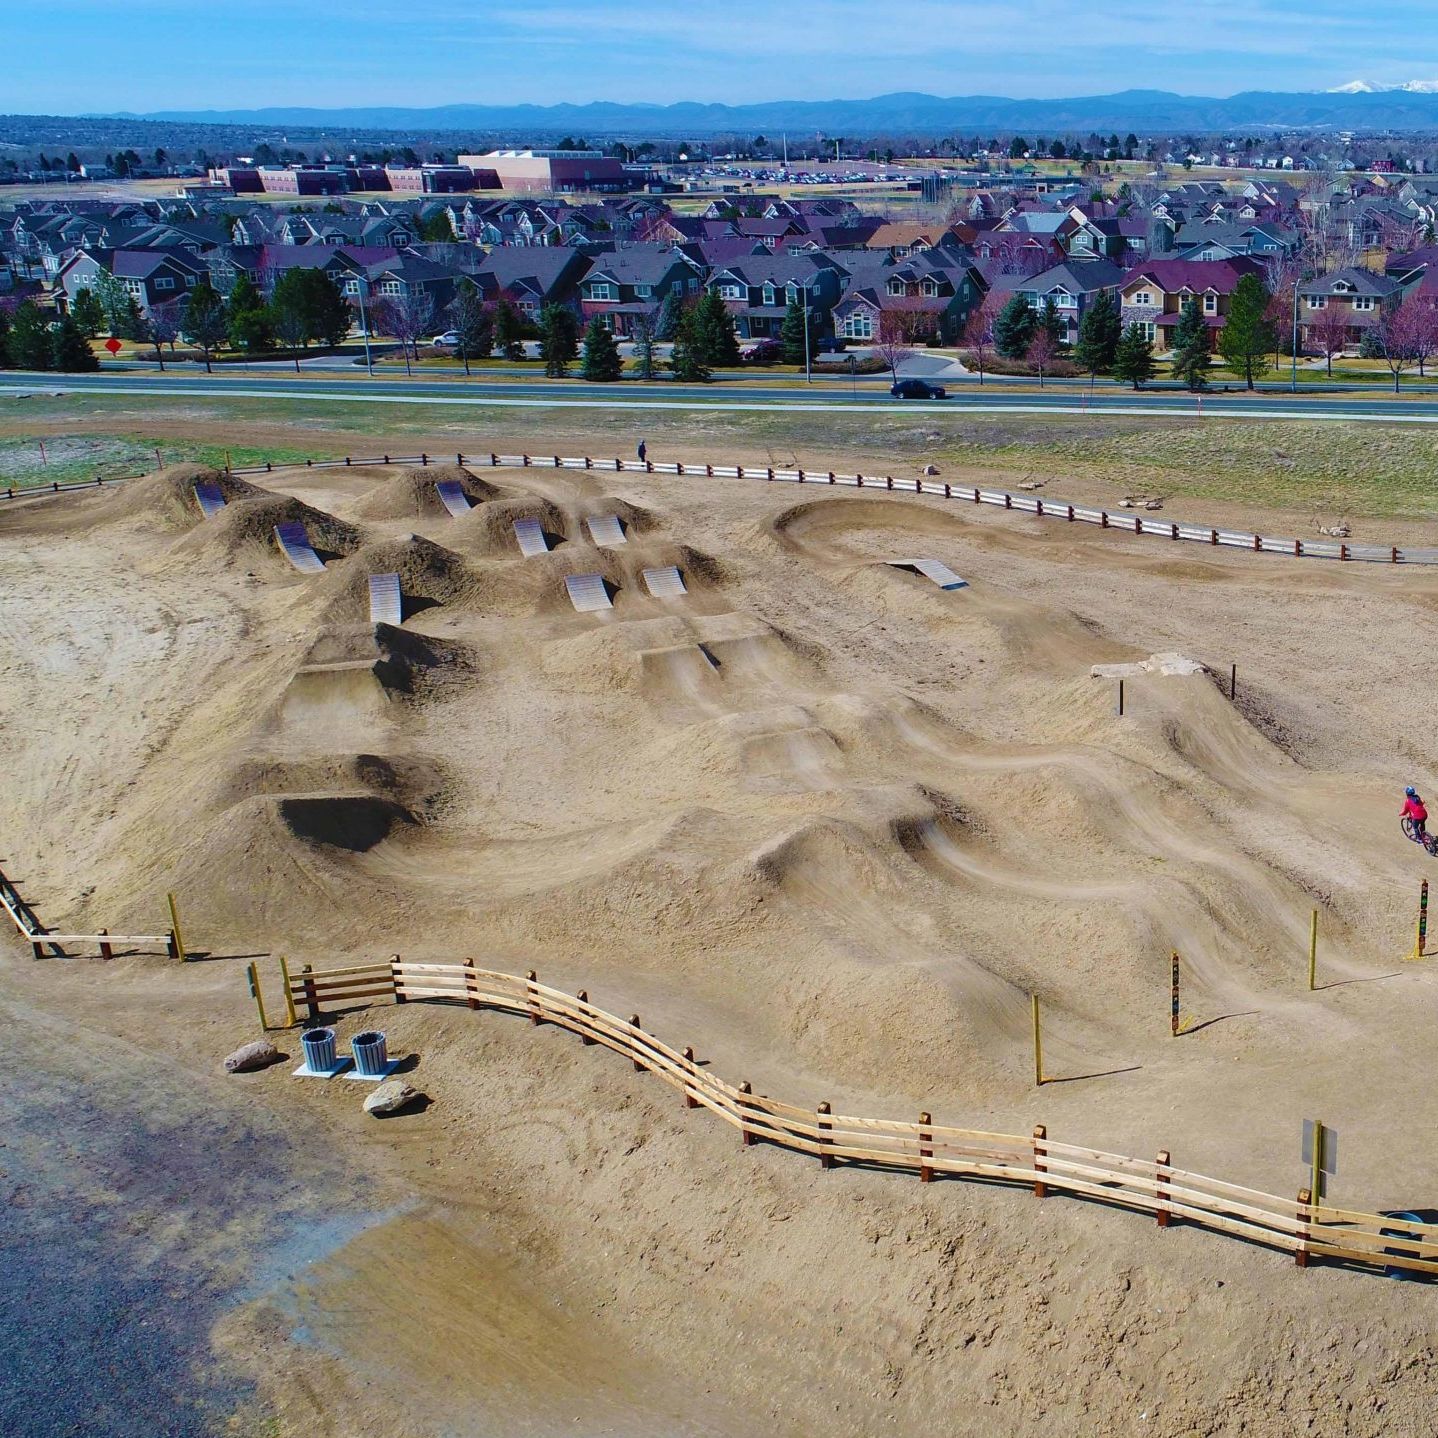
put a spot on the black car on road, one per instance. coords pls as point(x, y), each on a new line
point(916, 389)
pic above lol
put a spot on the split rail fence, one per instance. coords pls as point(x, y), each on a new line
point(29, 927)
point(1305, 1227)
point(1124, 521)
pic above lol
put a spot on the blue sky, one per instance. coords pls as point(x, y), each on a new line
point(99, 55)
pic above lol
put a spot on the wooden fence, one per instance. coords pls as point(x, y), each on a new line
point(1304, 1227)
point(1124, 521)
point(29, 927)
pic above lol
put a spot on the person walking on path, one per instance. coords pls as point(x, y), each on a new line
point(642, 451)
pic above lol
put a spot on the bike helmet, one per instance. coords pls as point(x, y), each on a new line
point(1411, 792)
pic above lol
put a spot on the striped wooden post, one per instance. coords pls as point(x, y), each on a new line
point(926, 1147)
point(1305, 1210)
point(689, 1100)
point(1162, 1173)
point(583, 997)
point(290, 1019)
point(531, 997)
point(826, 1159)
point(312, 1001)
point(639, 1065)
point(745, 1136)
point(394, 978)
point(1041, 1134)
point(471, 984)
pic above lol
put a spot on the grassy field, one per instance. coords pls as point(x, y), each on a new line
point(1371, 470)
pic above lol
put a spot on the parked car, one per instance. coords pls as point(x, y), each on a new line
point(834, 346)
point(447, 341)
point(916, 389)
point(765, 352)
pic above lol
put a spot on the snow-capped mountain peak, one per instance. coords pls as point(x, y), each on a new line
point(1364, 87)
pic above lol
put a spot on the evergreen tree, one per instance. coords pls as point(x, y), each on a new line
point(1248, 335)
point(688, 359)
point(113, 297)
point(249, 319)
point(1014, 328)
point(205, 322)
point(713, 331)
point(1050, 323)
point(130, 321)
point(29, 343)
point(89, 312)
point(670, 314)
point(1133, 358)
point(642, 333)
point(473, 324)
point(1099, 334)
point(1191, 358)
point(508, 329)
point(792, 336)
point(601, 355)
point(69, 349)
point(327, 312)
point(5, 360)
point(437, 229)
point(558, 339)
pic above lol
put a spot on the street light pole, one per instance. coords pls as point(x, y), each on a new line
point(1294, 383)
point(360, 282)
point(808, 356)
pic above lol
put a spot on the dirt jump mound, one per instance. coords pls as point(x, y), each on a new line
point(489, 528)
point(414, 493)
point(429, 575)
point(243, 533)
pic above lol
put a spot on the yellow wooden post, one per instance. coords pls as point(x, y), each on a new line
point(1313, 951)
point(1038, 1042)
point(175, 928)
point(259, 998)
point(290, 1019)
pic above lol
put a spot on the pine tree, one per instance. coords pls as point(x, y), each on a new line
point(205, 323)
point(69, 349)
point(558, 339)
point(670, 314)
point(1099, 334)
point(29, 342)
point(327, 312)
point(1133, 358)
point(602, 363)
point(642, 333)
point(1050, 323)
point(5, 360)
point(508, 329)
point(130, 322)
point(1248, 334)
point(249, 319)
point(88, 311)
point(713, 330)
point(793, 335)
point(1191, 359)
point(1014, 328)
point(688, 359)
point(473, 323)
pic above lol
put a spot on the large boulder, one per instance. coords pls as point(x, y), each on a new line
point(257, 1055)
point(390, 1097)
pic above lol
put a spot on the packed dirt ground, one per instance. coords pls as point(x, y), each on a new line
point(822, 820)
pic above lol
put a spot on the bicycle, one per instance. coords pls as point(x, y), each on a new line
point(1429, 841)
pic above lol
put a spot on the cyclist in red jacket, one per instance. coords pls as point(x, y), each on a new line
point(1413, 809)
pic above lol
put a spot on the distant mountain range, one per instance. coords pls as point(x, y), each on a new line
point(1356, 106)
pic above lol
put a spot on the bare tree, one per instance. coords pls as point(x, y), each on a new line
point(1397, 336)
point(1423, 330)
point(895, 342)
point(162, 327)
point(1042, 351)
point(979, 330)
point(407, 317)
point(1328, 334)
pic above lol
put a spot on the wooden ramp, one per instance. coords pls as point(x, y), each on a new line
point(386, 604)
point(606, 530)
point(932, 569)
point(209, 498)
point(452, 496)
point(530, 534)
point(665, 582)
point(295, 545)
point(587, 592)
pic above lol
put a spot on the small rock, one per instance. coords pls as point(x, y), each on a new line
point(251, 1056)
point(1032, 483)
point(1153, 504)
point(1127, 502)
point(391, 1096)
point(1336, 531)
point(931, 469)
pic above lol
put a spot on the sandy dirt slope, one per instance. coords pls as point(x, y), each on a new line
point(828, 823)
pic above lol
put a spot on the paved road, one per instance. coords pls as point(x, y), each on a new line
point(540, 394)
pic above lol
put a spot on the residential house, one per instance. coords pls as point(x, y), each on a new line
point(758, 290)
point(1154, 293)
point(1072, 287)
point(533, 276)
point(633, 282)
point(1359, 295)
point(934, 290)
point(151, 277)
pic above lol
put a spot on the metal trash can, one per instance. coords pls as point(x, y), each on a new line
point(319, 1048)
point(370, 1055)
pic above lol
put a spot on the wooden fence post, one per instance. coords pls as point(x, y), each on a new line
point(1041, 1189)
point(312, 999)
point(1420, 943)
point(253, 974)
point(1312, 951)
point(290, 1019)
point(1120, 698)
point(745, 1137)
point(1038, 1042)
point(106, 950)
point(1233, 681)
point(926, 1147)
point(1306, 1206)
point(531, 998)
point(689, 1100)
point(471, 984)
point(175, 929)
point(1161, 1213)
point(583, 997)
point(639, 1065)
point(394, 979)
point(826, 1159)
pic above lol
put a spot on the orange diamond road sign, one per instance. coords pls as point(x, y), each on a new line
point(113, 346)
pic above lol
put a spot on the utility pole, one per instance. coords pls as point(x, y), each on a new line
point(1294, 383)
point(808, 354)
point(360, 282)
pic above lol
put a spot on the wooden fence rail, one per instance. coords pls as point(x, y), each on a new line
point(1298, 1226)
point(1125, 521)
point(29, 927)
